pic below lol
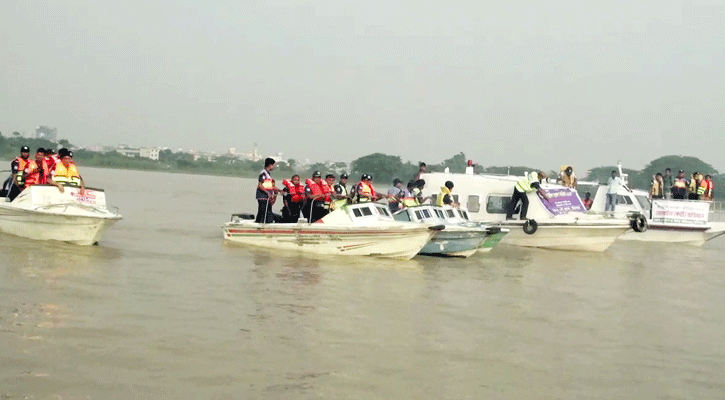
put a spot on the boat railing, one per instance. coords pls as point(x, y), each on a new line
point(717, 211)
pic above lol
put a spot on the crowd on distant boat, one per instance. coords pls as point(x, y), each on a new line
point(46, 167)
point(697, 187)
point(318, 197)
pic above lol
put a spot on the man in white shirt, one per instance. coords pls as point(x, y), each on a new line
point(614, 184)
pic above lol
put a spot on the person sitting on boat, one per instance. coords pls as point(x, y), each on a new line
point(340, 193)
point(656, 190)
point(266, 193)
point(395, 194)
point(293, 196)
point(365, 192)
point(567, 177)
point(705, 189)
point(408, 199)
point(529, 183)
point(692, 186)
point(51, 158)
point(587, 201)
point(65, 172)
point(445, 197)
point(418, 191)
point(36, 173)
point(679, 188)
point(315, 208)
point(15, 183)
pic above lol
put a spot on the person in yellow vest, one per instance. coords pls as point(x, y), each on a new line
point(692, 186)
point(529, 183)
point(409, 199)
point(340, 193)
point(365, 190)
point(445, 197)
point(65, 173)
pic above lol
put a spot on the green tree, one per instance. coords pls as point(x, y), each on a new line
point(65, 143)
point(381, 166)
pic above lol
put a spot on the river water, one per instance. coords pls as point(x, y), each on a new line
point(163, 308)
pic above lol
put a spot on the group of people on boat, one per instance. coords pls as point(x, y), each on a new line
point(317, 197)
point(46, 167)
point(698, 187)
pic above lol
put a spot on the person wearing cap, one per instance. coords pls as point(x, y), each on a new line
point(315, 194)
point(365, 191)
point(340, 193)
point(36, 173)
point(445, 197)
point(15, 184)
point(395, 194)
point(65, 172)
point(529, 183)
point(679, 188)
point(293, 195)
point(567, 177)
point(266, 193)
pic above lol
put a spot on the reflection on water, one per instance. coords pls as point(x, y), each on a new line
point(163, 308)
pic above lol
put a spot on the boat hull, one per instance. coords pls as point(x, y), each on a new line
point(674, 234)
point(573, 237)
point(80, 230)
point(393, 242)
point(455, 243)
point(492, 240)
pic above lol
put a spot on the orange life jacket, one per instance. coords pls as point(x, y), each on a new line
point(296, 191)
point(34, 174)
point(366, 189)
point(315, 189)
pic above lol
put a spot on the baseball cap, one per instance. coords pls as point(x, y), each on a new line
point(40, 150)
point(343, 176)
point(316, 174)
point(25, 149)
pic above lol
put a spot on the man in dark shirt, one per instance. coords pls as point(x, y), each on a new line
point(266, 193)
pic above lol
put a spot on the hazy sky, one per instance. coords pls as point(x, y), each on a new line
point(507, 82)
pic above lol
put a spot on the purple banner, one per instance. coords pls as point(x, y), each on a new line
point(563, 201)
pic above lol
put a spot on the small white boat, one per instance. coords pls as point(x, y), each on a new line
point(460, 216)
point(669, 221)
point(459, 238)
point(42, 212)
point(366, 229)
point(561, 224)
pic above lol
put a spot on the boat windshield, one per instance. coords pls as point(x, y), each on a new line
point(463, 214)
point(644, 202)
point(384, 212)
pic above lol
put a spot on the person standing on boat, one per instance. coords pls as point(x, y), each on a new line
point(679, 188)
point(395, 194)
point(293, 196)
point(365, 190)
point(668, 180)
point(529, 183)
point(36, 173)
point(693, 185)
point(656, 190)
point(315, 194)
point(445, 197)
point(567, 177)
point(422, 169)
point(340, 192)
point(705, 189)
point(614, 184)
point(266, 193)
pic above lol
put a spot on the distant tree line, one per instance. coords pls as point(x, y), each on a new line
point(384, 168)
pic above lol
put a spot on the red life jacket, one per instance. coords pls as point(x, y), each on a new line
point(296, 191)
point(34, 176)
point(315, 189)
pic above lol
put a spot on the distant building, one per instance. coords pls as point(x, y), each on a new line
point(43, 132)
point(149, 152)
point(128, 151)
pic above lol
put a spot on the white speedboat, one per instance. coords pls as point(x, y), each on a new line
point(456, 239)
point(366, 229)
point(42, 212)
point(670, 221)
point(560, 224)
point(460, 215)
